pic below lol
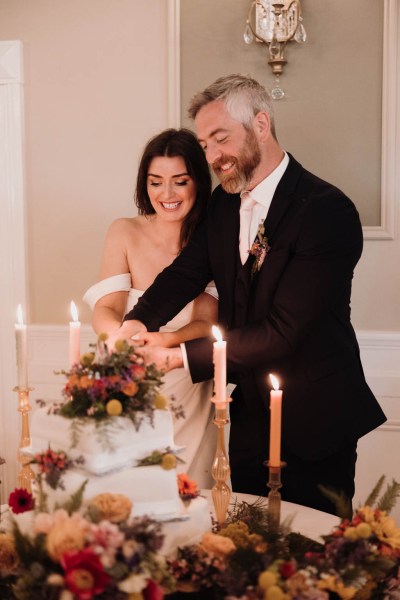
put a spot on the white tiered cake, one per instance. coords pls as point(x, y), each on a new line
point(111, 465)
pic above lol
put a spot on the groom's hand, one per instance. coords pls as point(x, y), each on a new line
point(127, 330)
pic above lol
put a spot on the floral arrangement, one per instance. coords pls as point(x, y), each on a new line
point(259, 249)
point(108, 384)
point(102, 553)
point(51, 465)
point(359, 560)
point(75, 556)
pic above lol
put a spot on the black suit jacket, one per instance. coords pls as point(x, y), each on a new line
point(292, 319)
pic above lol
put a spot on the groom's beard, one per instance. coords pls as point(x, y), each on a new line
point(245, 164)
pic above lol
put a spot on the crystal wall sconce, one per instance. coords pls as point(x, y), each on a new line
point(275, 23)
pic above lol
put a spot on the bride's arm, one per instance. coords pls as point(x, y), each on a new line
point(204, 315)
point(109, 309)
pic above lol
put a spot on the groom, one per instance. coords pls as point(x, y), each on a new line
point(284, 302)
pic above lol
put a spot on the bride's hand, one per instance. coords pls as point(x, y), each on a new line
point(164, 359)
point(127, 330)
point(154, 338)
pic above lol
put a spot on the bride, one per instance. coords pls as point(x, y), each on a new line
point(172, 190)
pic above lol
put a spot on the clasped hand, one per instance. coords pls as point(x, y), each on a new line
point(154, 347)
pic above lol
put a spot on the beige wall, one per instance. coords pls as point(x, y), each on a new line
point(330, 118)
point(95, 90)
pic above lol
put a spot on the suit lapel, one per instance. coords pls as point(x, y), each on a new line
point(282, 198)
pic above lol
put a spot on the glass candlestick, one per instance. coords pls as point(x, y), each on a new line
point(221, 492)
point(274, 497)
point(26, 475)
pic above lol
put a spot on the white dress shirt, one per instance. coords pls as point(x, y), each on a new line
point(263, 194)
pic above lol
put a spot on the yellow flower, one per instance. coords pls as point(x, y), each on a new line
point(168, 461)
point(335, 585)
point(274, 592)
point(114, 407)
point(87, 358)
point(350, 533)
point(64, 537)
point(160, 402)
point(363, 530)
point(112, 507)
point(121, 345)
point(102, 337)
point(266, 579)
point(216, 544)
point(8, 555)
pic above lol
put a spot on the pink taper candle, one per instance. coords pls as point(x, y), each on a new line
point(74, 337)
point(275, 424)
point(22, 353)
point(219, 358)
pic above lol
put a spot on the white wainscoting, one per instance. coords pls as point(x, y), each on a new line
point(378, 451)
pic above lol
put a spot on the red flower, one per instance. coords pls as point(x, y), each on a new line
point(84, 574)
point(287, 569)
point(153, 591)
point(21, 500)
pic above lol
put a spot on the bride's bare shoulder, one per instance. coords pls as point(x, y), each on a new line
point(126, 225)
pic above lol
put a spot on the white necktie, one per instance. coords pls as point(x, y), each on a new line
point(246, 206)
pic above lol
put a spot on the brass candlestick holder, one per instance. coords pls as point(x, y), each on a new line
point(221, 492)
point(26, 475)
point(274, 496)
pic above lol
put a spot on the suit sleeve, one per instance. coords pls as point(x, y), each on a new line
point(314, 283)
point(176, 285)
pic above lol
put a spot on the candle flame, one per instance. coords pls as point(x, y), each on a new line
point(216, 333)
point(74, 311)
point(20, 317)
point(274, 381)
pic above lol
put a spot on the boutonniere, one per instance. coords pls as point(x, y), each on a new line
point(259, 249)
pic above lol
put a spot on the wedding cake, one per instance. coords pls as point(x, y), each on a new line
point(108, 458)
point(113, 432)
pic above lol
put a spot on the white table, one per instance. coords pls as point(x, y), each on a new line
point(307, 521)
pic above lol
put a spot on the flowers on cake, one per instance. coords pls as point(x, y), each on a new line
point(187, 487)
point(107, 384)
point(52, 465)
point(99, 553)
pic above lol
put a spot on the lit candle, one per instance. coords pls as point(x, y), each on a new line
point(22, 355)
point(275, 424)
point(74, 337)
point(219, 358)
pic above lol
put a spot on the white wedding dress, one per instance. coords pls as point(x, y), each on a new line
point(195, 431)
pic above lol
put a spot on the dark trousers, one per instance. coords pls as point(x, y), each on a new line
point(300, 478)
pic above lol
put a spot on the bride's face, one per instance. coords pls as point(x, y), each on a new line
point(171, 190)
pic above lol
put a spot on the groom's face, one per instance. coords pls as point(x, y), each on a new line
point(232, 151)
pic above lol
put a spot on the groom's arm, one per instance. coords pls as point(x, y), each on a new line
point(176, 286)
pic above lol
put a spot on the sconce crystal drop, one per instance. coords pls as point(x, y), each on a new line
point(275, 23)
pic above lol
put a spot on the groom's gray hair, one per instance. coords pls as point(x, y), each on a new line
point(243, 96)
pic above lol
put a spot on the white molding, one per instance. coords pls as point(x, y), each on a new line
point(173, 68)
point(12, 244)
point(390, 136)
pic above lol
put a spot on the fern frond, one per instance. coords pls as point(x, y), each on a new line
point(339, 499)
point(388, 501)
point(373, 496)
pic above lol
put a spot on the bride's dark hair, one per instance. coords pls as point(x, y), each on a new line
point(170, 143)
